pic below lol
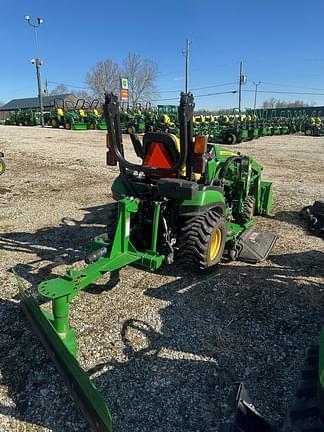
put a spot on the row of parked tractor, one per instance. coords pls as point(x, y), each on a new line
point(81, 115)
point(227, 129)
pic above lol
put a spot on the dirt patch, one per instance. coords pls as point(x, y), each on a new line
point(162, 348)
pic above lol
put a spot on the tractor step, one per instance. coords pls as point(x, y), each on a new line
point(83, 391)
point(255, 246)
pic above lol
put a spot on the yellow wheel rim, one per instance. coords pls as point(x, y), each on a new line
point(2, 167)
point(215, 244)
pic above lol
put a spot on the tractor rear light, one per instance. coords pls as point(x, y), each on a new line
point(200, 145)
point(199, 163)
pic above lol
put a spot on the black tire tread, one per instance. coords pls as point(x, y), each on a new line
point(248, 210)
point(194, 240)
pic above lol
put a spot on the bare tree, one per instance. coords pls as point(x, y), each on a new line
point(82, 94)
point(103, 77)
point(59, 90)
point(142, 76)
point(273, 103)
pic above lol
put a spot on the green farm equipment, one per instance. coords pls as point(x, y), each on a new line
point(313, 127)
point(75, 117)
point(94, 118)
point(188, 201)
point(68, 115)
point(2, 164)
point(56, 119)
point(24, 118)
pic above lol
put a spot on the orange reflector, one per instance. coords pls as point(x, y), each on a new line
point(158, 157)
point(200, 145)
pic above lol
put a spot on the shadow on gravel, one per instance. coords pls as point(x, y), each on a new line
point(54, 246)
point(32, 384)
point(293, 218)
point(242, 322)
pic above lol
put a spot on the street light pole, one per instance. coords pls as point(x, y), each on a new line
point(37, 62)
point(242, 81)
point(186, 54)
point(255, 94)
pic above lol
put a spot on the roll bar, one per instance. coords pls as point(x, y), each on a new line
point(186, 108)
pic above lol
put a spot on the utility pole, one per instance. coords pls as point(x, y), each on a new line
point(46, 88)
point(186, 54)
point(37, 62)
point(242, 81)
point(255, 94)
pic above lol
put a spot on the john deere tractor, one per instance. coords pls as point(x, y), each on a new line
point(94, 118)
point(186, 201)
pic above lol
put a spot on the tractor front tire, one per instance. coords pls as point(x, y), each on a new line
point(248, 210)
point(68, 126)
point(308, 132)
point(92, 126)
point(230, 138)
point(202, 241)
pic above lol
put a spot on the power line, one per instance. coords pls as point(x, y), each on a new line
point(200, 88)
point(286, 92)
point(292, 86)
point(197, 96)
point(69, 85)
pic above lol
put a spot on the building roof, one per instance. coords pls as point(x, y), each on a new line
point(32, 103)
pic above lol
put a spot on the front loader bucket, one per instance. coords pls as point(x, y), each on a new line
point(80, 126)
point(83, 391)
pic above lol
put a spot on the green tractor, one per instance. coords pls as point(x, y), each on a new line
point(29, 118)
point(94, 118)
point(313, 127)
point(188, 201)
point(75, 116)
point(68, 115)
point(56, 119)
point(232, 130)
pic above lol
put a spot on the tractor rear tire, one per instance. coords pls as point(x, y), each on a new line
point(230, 138)
point(54, 123)
point(248, 210)
point(202, 241)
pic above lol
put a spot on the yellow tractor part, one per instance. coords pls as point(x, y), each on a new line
point(166, 119)
point(215, 244)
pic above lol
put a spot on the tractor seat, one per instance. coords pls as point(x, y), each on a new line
point(161, 150)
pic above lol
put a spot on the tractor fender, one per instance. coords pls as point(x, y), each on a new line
point(206, 198)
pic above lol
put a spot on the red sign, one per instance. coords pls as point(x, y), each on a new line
point(124, 94)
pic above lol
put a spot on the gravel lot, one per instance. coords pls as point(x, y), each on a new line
point(163, 349)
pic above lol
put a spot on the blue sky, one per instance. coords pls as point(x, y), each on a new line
point(280, 43)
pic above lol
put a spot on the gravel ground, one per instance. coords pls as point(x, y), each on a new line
point(163, 349)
